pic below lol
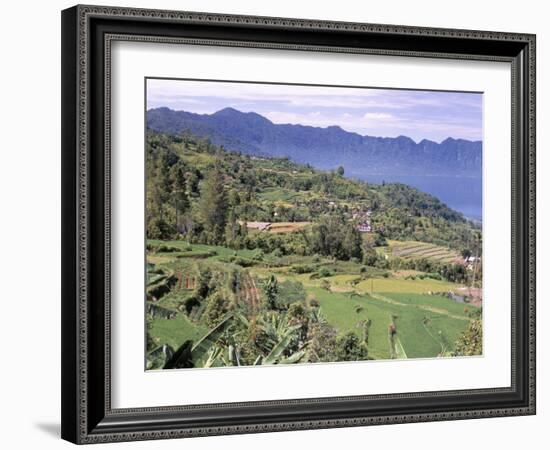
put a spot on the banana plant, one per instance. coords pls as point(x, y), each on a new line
point(276, 355)
point(316, 316)
point(158, 357)
point(212, 353)
point(276, 327)
point(214, 356)
point(188, 353)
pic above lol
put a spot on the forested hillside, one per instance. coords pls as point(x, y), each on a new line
point(239, 187)
point(325, 148)
point(254, 260)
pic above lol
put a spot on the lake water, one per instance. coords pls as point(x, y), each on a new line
point(463, 194)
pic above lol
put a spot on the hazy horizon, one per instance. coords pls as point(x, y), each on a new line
point(313, 126)
point(419, 115)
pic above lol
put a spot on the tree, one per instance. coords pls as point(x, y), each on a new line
point(203, 282)
point(271, 290)
point(150, 341)
point(322, 345)
point(340, 171)
point(234, 198)
point(179, 194)
point(217, 307)
point(352, 242)
point(335, 237)
point(350, 348)
point(192, 181)
point(160, 214)
point(233, 232)
point(470, 342)
point(213, 204)
point(370, 257)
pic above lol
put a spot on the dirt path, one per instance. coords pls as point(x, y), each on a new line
point(249, 293)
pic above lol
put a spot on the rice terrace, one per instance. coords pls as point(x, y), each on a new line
point(260, 250)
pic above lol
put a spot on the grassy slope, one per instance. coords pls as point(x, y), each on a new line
point(418, 340)
point(392, 296)
point(343, 282)
point(176, 331)
point(433, 301)
point(410, 286)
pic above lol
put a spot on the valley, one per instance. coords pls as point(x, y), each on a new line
point(261, 260)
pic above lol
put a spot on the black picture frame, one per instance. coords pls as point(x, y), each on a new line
point(87, 32)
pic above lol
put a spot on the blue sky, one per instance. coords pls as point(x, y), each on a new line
point(375, 112)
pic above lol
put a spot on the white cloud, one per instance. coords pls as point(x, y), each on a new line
point(292, 95)
point(376, 112)
point(374, 116)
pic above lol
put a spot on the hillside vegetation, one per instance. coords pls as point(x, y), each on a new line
point(179, 169)
point(255, 260)
point(254, 134)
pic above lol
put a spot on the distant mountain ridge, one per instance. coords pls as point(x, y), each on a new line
point(324, 148)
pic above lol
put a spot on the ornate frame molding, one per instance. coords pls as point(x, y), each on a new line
point(80, 418)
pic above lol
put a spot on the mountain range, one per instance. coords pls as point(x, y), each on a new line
point(324, 148)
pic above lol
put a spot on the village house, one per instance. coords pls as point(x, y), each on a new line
point(363, 218)
point(471, 262)
point(364, 227)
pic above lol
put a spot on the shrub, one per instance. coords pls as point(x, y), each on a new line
point(166, 249)
point(370, 257)
point(290, 291)
point(216, 308)
point(322, 343)
point(470, 342)
point(302, 268)
point(325, 272)
point(203, 283)
point(243, 262)
point(198, 255)
point(190, 303)
point(258, 255)
point(350, 348)
point(313, 302)
point(296, 310)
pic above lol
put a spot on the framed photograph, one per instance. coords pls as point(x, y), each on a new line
point(281, 224)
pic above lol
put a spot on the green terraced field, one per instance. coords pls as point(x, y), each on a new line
point(347, 282)
point(417, 286)
point(423, 333)
point(175, 332)
point(285, 195)
point(426, 324)
point(417, 250)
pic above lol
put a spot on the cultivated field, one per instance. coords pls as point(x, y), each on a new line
point(349, 294)
point(254, 261)
point(287, 227)
point(418, 250)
